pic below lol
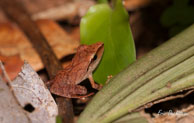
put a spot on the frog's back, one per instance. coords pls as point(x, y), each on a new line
point(71, 75)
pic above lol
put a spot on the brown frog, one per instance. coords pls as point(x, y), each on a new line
point(83, 64)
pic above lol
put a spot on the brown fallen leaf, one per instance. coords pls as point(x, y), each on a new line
point(55, 35)
point(75, 33)
point(180, 115)
point(135, 4)
point(12, 65)
point(54, 9)
point(3, 18)
point(13, 41)
point(67, 10)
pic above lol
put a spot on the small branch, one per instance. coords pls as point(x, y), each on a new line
point(4, 72)
point(17, 13)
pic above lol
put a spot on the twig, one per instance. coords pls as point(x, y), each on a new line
point(4, 72)
point(17, 13)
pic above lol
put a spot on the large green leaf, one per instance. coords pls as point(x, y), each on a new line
point(111, 26)
point(145, 81)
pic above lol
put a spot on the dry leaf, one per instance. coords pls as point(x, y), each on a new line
point(61, 42)
point(30, 91)
point(75, 33)
point(135, 4)
point(54, 9)
point(11, 111)
point(69, 10)
point(3, 18)
point(13, 41)
point(185, 115)
point(12, 65)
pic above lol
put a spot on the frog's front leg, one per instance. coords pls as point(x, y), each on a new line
point(69, 90)
point(94, 85)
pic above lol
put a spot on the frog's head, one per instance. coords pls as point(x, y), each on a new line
point(95, 53)
point(89, 56)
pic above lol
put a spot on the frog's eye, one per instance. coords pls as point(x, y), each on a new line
point(94, 58)
point(92, 62)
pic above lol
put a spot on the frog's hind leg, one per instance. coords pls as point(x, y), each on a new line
point(69, 90)
point(80, 96)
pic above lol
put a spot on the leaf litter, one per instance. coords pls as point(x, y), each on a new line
point(28, 97)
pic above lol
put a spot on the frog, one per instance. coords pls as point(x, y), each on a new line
point(85, 61)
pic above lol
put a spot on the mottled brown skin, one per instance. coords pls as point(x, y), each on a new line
point(83, 64)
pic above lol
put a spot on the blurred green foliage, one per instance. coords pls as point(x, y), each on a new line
point(178, 16)
point(58, 119)
point(102, 1)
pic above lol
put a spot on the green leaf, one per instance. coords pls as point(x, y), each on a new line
point(111, 26)
point(135, 117)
